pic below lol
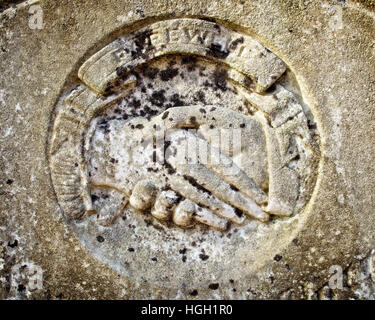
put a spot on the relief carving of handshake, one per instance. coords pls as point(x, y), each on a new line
point(192, 164)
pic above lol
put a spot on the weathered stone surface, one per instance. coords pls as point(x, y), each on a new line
point(100, 105)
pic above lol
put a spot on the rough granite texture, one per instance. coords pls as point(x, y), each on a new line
point(332, 62)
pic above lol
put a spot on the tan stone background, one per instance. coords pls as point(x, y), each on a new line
point(337, 70)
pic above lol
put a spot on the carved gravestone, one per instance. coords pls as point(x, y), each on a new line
point(189, 155)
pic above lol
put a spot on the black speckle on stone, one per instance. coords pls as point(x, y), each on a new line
point(200, 96)
point(139, 126)
point(158, 98)
point(277, 257)
point(121, 71)
point(168, 74)
point(194, 293)
point(154, 259)
point(233, 187)
point(9, 181)
point(135, 103)
point(150, 112)
point(193, 119)
point(202, 110)
point(235, 43)
point(100, 239)
point(213, 286)
point(189, 60)
point(272, 279)
point(287, 267)
point(14, 244)
point(242, 125)
point(183, 258)
point(220, 77)
point(182, 251)
point(231, 280)
point(203, 256)
point(140, 12)
point(141, 40)
point(165, 115)
point(176, 100)
point(311, 125)
point(238, 212)
point(21, 288)
point(131, 249)
point(150, 72)
point(216, 51)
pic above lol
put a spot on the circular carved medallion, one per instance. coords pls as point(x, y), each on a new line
point(186, 144)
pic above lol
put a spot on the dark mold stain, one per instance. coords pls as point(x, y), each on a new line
point(194, 293)
point(220, 77)
point(176, 101)
point(277, 257)
point(216, 51)
point(235, 43)
point(141, 40)
point(158, 98)
point(238, 212)
point(168, 74)
point(213, 286)
point(14, 244)
point(203, 256)
point(100, 239)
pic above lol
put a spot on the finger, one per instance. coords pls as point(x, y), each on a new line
point(225, 168)
point(207, 217)
point(143, 195)
point(187, 211)
point(205, 178)
point(190, 190)
point(183, 214)
point(164, 205)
